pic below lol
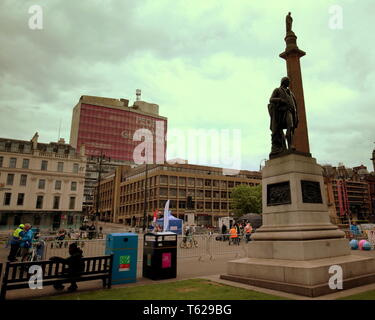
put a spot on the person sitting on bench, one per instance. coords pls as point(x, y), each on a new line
point(75, 266)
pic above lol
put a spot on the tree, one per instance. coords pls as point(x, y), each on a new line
point(246, 199)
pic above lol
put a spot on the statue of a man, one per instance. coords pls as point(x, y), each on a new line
point(283, 113)
point(288, 21)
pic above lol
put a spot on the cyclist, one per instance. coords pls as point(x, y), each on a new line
point(187, 233)
point(248, 230)
point(26, 242)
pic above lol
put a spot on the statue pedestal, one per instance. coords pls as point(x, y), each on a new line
point(297, 243)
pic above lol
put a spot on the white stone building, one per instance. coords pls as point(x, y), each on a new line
point(41, 184)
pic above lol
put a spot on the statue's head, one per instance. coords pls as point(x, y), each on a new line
point(285, 82)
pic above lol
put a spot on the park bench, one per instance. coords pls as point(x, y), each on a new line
point(16, 274)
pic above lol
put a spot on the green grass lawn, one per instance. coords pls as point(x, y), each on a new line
point(195, 289)
point(369, 295)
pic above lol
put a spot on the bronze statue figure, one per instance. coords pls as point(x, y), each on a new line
point(283, 112)
point(288, 21)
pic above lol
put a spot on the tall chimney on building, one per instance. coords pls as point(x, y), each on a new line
point(34, 140)
point(138, 94)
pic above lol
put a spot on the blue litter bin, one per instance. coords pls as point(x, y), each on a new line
point(124, 247)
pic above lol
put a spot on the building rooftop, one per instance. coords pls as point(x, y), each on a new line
point(28, 146)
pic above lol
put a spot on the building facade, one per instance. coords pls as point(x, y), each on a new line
point(95, 169)
point(202, 191)
point(40, 183)
point(348, 193)
point(106, 127)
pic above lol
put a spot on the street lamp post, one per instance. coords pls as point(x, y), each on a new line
point(145, 201)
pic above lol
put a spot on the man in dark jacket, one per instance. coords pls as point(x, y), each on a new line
point(74, 266)
point(92, 230)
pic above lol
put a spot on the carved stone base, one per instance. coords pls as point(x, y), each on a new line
point(294, 202)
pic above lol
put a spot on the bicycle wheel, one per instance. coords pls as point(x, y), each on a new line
point(195, 243)
point(188, 244)
point(182, 245)
point(33, 256)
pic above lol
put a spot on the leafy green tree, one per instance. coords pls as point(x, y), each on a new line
point(246, 199)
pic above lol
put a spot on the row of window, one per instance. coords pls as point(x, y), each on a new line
point(183, 181)
point(200, 205)
point(194, 171)
point(39, 201)
point(37, 219)
point(41, 182)
point(43, 165)
point(163, 192)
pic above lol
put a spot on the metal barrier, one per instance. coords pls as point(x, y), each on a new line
point(220, 248)
point(90, 248)
point(207, 247)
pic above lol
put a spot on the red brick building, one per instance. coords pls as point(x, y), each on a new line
point(107, 126)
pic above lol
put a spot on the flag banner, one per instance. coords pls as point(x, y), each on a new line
point(166, 217)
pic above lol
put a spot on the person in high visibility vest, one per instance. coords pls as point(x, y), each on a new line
point(233, 235)
point(15, 243)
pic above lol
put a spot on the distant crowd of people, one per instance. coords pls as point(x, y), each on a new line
point(236, 230)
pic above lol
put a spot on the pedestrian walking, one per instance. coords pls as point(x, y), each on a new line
point(354, 230)
point(233, 235)
point(248, 230)
point(15, 243)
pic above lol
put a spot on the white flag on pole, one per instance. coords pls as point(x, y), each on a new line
point(166, 217)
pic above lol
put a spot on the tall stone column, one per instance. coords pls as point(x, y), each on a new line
point(292, 55)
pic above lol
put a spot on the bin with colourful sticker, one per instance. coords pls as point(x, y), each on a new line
point(160, 255)
point(124, 247)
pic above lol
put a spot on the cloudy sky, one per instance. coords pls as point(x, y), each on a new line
point(208, 64)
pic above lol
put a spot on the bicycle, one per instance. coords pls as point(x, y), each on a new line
point(188, 242)
point(35, 252)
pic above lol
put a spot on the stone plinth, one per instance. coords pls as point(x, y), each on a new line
point(297, 243)
point(297, 210)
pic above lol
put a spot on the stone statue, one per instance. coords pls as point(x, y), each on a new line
point(283, 112)
point(288, 21)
